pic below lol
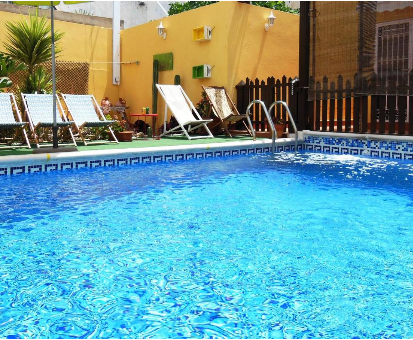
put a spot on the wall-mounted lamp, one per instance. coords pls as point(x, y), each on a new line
point(161, 30)
point(270, 23)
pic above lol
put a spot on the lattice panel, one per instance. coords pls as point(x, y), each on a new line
point(71, 77)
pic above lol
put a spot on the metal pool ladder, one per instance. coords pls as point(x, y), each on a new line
point(270, 122)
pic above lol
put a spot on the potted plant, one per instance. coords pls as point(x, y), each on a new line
point(279, 126)
point(119, 128)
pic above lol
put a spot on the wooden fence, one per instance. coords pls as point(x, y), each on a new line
point(339, 106)
point(268, 92)
point(334, 106)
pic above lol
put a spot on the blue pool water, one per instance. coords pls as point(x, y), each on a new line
point(285, 246)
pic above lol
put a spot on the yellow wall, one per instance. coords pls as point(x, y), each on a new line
point(255, 53)
point(81, 43)
point(239, 48)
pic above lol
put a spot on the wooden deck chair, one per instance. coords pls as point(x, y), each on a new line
point(223, 107)
point(86, 113)
point(8, 118)
point(39, 109)
point(181, 108)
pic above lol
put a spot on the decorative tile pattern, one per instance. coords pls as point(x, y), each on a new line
point(362, 147)
point(158, 158)
point(16, 170)
point(80, 165)
point(66, 166)
point(122, 161)
point(169, 158)
point(95, 163)
point(31, 169)
point(51, 167)
point(134, 159)
point(108, 162)
point(146, 159)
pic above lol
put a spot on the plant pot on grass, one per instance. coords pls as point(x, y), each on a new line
point(122, 135)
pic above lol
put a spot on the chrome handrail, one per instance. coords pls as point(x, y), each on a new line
point(270, 122)
point(289, 115)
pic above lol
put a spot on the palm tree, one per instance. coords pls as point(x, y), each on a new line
point(29, 43)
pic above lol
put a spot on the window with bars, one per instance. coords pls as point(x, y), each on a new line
point(394, 53)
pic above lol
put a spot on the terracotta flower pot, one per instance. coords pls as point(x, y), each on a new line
point(280, 130)
point(124, 136)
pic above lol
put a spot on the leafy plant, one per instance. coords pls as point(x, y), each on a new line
point(178, 7)
point(203, 105)
point(119, 126)
point(40, 81)
point(4, 82)
point(8, 66)
point(277, 120)
point(29, 42)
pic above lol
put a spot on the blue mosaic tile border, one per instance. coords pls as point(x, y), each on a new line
point(362, 147)
point(135, 159)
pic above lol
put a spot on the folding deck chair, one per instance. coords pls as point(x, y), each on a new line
point(39, 109)
point(180, 106)
point(8, 119)
point(223, 107)
point(86, 113)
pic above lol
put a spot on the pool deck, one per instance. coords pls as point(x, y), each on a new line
point(136, 144)
point(20, 160)
point(167, 149)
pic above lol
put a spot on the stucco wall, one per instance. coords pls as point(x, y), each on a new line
point(81, 43)
point(255, 53)
point(240, 47)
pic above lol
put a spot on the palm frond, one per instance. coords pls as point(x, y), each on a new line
point(29, 41)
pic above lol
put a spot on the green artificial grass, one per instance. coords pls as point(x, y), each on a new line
point(140, 143)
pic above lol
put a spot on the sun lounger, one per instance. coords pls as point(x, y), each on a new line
point(39, 109)
point(181, 108)
point(223, 107)
point(86, 113)
point(8, 117)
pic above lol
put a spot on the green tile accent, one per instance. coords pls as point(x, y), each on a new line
point(166, 61)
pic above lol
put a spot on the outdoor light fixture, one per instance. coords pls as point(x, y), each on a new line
point(161, 30)
point(270, 23)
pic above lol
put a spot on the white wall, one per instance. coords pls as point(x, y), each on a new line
point(133, 13)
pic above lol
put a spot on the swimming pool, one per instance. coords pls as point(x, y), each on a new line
point(294, 246)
